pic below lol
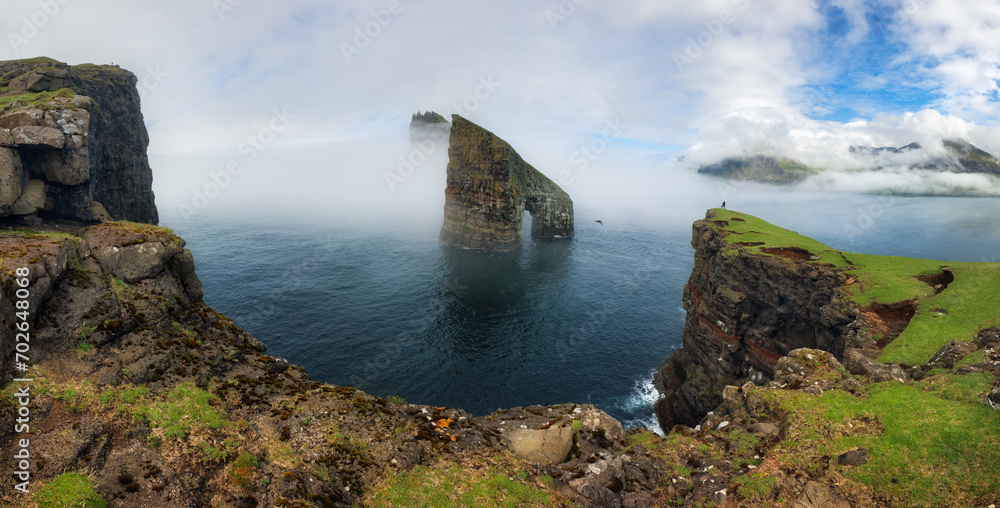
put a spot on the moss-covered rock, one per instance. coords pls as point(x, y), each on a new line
point(489, 188)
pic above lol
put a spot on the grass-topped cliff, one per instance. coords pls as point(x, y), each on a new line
point(969, 304)
point(916, 353)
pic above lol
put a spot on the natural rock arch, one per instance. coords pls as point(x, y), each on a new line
point(489, 188)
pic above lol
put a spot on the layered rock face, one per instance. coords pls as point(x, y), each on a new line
point(743, 314)
point(73, 143)
point(489, 188)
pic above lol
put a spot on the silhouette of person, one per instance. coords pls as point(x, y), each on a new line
point(723, 205)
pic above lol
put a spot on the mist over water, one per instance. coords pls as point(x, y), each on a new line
point(380, 305)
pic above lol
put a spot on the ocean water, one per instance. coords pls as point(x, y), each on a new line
point(385, 308)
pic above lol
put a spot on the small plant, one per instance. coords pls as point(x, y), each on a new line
point(85, 347)
point(577, 425)
point(241, 471)
point(396, 399)
point(69, 489)
point(86, 331)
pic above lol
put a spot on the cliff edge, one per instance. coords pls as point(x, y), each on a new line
point(490, 186)
point(72, 143)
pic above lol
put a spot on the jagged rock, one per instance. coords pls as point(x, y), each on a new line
point(6, 139)
point(950, 354)
point(541, 446)
point(860, 364)
point(766, 430)
point(12, 179)
point(489, 188)
point(24, 118)
point(31, 136)
point(812, 371)
point(40, 80)
point(183, 265)
point(993, 399)
point(853, 457)
point(32, 199)
point(820, 495)
point(123, 256)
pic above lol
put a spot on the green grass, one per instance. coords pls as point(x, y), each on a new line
point(85, 347)
point(396, 399)
point(459, 486)
point(959, 312)
point(69, 490)
point(756, 485)
point(973, 358)
point(184, 410)
point(937, 443)
point(33, 100)
point(970, 303)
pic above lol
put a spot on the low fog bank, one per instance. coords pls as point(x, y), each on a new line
point(904, 180)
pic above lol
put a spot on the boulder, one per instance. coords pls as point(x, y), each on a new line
point(853, 457)
point(12, 178)
point(858, 363)
point(70, 121)
point(993, 399)
point(25, 118)
point(133, 263)
point(820, 495)
point(183, 265)
point(32, 199)
point(38, 137)
point(6, 139)
point(541, 446)
point(41, 80)
point(950, 354)
point(99, 212)
point(64, 167)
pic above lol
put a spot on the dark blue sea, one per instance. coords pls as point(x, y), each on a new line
point(380, 305)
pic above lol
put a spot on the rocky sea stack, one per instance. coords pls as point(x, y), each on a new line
point(489, 188)
point(72, 143)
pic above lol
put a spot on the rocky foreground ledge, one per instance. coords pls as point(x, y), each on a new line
point(141, 395)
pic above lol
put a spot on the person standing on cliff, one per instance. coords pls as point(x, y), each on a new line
point(723, 205)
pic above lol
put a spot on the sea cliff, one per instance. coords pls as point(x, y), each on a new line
point(142, 395)
point(72, 143)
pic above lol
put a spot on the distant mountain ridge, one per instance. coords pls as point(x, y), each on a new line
point(760, 168)
point(960, 157)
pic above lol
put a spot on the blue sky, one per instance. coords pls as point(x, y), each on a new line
point(703, 80)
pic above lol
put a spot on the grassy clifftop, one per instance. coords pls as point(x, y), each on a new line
point(951, 301)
